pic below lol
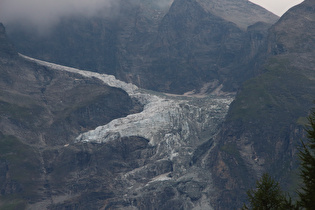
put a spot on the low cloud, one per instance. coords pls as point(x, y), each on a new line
point(45, 13)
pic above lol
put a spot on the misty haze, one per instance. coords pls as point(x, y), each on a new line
point(44, 14)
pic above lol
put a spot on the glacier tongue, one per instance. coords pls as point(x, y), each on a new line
point(161, 118)
point(169, 122)
point(181, 129)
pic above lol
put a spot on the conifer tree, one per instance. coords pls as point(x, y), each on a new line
point(267, 195)
point(307, 156)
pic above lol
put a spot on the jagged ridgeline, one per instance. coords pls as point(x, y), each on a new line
point(146, 148)
point(169, 46)
point(73, 139)
point(266, 121)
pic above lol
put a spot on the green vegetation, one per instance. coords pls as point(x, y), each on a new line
point(23, 175)
point(268, 194)
point(274, 91)
point(12, 203)
point(14, 111)
point(25, 115)
point(302, 121)
point(232, 150)
point(307, 156)
point(270, 109)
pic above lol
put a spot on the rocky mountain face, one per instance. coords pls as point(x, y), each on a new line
point(44, 109)
point(162, 160)
point(7, 48)
point(243, 13)
point(145, 155)
point(265, 122)
point(177, 46)
point(85, 140)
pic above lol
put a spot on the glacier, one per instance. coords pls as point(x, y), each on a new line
point(169, 122)
point(175, 125)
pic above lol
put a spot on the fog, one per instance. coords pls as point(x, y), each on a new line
point(45, 13)
point(42, 15)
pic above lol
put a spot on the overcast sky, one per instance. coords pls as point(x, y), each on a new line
point(45, 13)
point(278, 7)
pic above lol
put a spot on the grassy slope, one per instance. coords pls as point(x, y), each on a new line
point(23, 173)
point(271, 109)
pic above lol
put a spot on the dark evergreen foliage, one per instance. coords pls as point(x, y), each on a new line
point(307, 156)
point(267, 195)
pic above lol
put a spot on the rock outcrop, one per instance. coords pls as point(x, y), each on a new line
point(87, 140)
point(243, 13)
point(265, 122)
point(41, 108)
point(168, 46)
point(155, 151)
point(147, 153)
point(7, 49)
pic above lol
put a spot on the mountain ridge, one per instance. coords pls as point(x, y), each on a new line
point(243, 13)
point(61, 102)
point(208, 153)
point(138, 43)
point(41, 111)
point(266, 121)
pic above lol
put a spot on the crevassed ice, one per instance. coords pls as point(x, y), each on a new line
point(169, 122)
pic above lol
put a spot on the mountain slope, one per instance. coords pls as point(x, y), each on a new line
point(7, 49)
point(179, 162)
point(265, 122)
point(42, 109)
point(162, 160)
point(243, 13)
point(155, 47)
point(145, 160)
